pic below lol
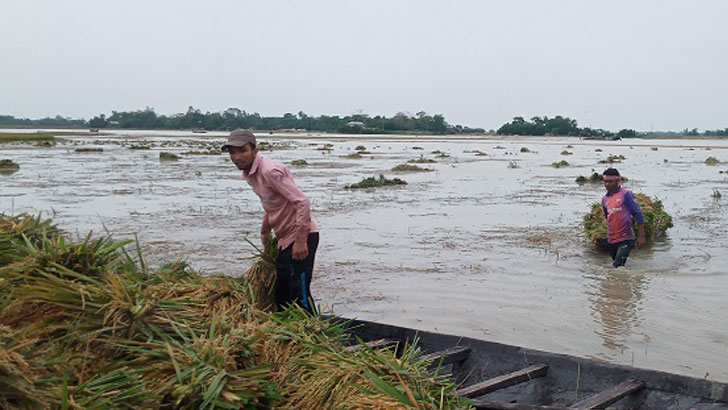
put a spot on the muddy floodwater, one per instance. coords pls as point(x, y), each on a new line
point(487, 244)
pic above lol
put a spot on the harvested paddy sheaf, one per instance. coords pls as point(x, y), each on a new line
point(168, 156)
point(88, 325)
point(373, 182)
point(657, 221)
point(712, 161)
point(410, 168)
point(7, 166)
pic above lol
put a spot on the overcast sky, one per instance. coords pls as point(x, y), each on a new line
point(647, 65)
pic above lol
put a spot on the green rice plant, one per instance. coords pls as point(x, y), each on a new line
point(716, 194)
point(657, 221)
point(373, 182)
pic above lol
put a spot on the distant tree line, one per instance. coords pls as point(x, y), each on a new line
point(556, 126)
point(235, 118)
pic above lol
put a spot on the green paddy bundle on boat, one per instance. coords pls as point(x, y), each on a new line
point(86, 324)
point(657, 221)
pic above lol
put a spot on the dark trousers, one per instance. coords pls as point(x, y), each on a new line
point(620, 252)
point(293, 282)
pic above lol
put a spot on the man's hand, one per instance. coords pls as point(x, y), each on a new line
point(300, 250)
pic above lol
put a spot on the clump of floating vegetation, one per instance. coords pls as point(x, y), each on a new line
point(299, 163)
point(478, 153)
point(360, 148)
point(168, 156)
point(422, 160)
point(140, 146)
point(712, 161)
point(271, 146)
point(7, 166)
point(354, 155)
point(88, 149)
point(373, 182)
point(416, 147)
point(598, 150)
point(499, 147)
point(525, 149)
point(410, 168)
point(654, 148)
point(657, 221)
point(45, 144)
point(595, 178)
point(86, 324)
point(26, 136)
point(210, 152)
point(569, 146)
point(560, 164)
point(513, 165)
point(326, 147)
point(565, 152)
point(716, 194)
point(612, 159)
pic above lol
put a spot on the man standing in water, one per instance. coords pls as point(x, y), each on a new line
point(287, 213)
point(619, 208)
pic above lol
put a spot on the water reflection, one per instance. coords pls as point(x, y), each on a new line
point(616, 304)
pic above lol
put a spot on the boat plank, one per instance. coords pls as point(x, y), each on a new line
point(447, 356)
point(493, 405)
point(609, 396)
point(503, 381)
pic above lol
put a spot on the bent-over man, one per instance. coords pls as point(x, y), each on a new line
point(287, 213)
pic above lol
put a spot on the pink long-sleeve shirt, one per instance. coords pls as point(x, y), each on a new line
point(287, 209)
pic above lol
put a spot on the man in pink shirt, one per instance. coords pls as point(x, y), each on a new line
point(287, 213)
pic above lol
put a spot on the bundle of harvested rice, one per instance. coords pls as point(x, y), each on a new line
point(657, 221)
point(84, 325)
point(260, 278)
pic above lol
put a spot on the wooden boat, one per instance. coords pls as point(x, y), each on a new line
point(501, 376)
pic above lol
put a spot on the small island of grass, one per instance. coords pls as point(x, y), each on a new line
point(373, 182)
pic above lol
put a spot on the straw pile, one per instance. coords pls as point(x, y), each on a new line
point(657, 221)
point(87, 325)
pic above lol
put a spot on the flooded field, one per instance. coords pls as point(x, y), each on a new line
point(487, 244)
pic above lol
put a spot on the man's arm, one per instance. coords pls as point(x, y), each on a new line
point(288, 188)
point(636, 212)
